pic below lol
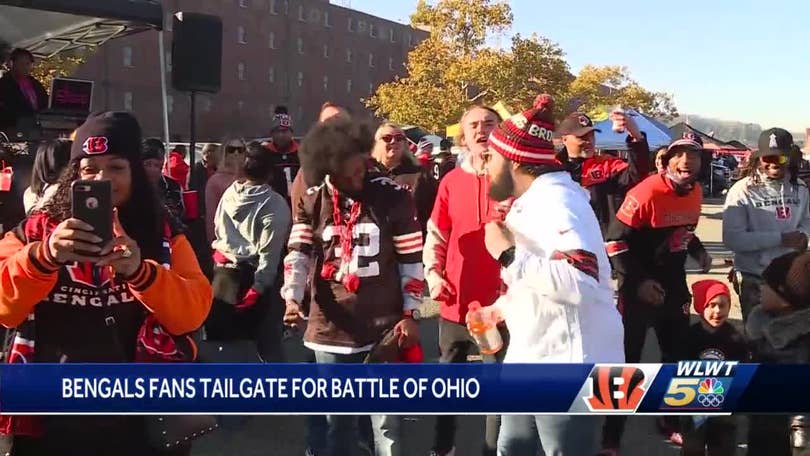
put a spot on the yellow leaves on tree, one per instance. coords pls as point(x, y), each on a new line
point(57, 66)
point(455, 67)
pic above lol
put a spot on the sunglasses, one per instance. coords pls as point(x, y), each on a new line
point(234, 149)
point(390, 139)
point(774, 159)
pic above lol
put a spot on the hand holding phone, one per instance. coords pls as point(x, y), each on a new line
point(91, 203)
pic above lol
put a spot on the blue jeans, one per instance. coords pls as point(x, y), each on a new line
point(557, 435)
point(342, 436)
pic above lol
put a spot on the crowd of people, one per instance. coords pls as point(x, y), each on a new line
point(340, 238)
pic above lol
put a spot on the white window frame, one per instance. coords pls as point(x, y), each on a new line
point(348, 86)
point(362, 26)
point(300, 79)
point(391, 63)
point(128, 57)
point(271, 40)
point(207, 104)
point(129, 101)
point(240, 106)
point(410, 40)
point(241, 71)
point(370, 88)
point(169, 25)
point(301, 16)
point(349, 55)
point(326, 22)
point(325, 83)
point(273, 10)
point(350, 26)
point(300, 45)
point(371, 60)
point(392, 35)
point(243, 3)
point(372, 30)
point(326, 51)
point(271, 75)
point(241, 35)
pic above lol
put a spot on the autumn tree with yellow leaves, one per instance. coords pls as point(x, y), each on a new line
point(456, 66)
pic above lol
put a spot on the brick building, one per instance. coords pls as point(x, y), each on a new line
point(298, 53)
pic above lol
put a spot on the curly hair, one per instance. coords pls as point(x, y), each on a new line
point(328, 145)
point(142, 217)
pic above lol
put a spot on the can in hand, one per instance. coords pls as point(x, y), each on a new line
point(617, 115)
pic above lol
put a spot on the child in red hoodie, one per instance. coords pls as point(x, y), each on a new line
point(712, 338)
point(176, 167)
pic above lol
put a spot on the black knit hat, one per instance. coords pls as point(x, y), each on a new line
point(789, 276)
point(153, 148)
point(110, 132)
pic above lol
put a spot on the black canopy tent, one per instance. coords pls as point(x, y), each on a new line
point(48, 27)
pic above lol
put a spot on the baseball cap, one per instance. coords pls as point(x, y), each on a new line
point(577, 124)
point(689, 140)
point(774, 141)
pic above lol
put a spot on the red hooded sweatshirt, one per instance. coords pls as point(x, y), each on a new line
point(454, 243)
point(177, 169)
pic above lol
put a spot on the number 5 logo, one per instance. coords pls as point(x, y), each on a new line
point(366, 251)
point(681, 392)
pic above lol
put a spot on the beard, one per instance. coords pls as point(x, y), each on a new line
point(502, 187)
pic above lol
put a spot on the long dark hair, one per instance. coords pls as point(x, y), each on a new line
point(52, 157)
point(143, 217)
point(756, 179)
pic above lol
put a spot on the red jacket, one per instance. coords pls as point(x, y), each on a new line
point(177, 169)
point(454, 245)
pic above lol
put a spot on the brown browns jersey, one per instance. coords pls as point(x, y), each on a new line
point(385, 235)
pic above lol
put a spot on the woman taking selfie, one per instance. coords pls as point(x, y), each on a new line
point(93, 300)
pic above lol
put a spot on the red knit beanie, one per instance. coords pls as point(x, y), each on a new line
point(704, 291)
point(527, 137)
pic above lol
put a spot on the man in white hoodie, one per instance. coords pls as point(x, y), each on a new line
point(766, 214)
point(559, 304)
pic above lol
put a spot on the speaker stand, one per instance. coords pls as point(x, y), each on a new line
point(192, 146)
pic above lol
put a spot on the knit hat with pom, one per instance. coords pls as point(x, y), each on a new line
point(527, 137)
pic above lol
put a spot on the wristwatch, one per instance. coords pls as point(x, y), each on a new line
point(412, 314)
point(507, 257)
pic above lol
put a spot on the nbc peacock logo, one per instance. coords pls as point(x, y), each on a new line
point(711, 393)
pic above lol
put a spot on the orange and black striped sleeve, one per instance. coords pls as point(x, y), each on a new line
point(179, 297)
point(27, 274)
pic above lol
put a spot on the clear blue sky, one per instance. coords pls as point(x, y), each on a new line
point(741, 60)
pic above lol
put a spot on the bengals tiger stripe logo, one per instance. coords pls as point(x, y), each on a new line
point(616, 388)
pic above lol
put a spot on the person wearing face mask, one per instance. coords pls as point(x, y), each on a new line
point(648, 243)
point(606, 178)
point(458, 268)
point(766, 214)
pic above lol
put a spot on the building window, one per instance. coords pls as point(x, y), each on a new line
point(271, 40)
point(300, 45)
point(168, 60)
point(300, 79)
point(273, 7)
point(241, 35)
point(391, 35)
point(371, 88)
point(361, 26)
point(326, 51)
point(348, 55)
point(170, 104)
point(351, 24)
point(326, 22)
point(271, 75)
point(206, 103)
point(371, 60)
point(315, 16)
point(301, 16)
point(240, 71)
point(243, 3)
point(240, 105)
point(391, 63)
point(169, 25)
point(349, 85)
point(128, 57)
point(286, 7)
point(128, 101)
point(325, 83)
point(372, 31)
point(410, 40)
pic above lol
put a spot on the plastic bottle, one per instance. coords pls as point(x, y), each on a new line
point(483, 329)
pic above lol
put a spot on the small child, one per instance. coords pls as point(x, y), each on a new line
point(779, 332)
point(712, 338)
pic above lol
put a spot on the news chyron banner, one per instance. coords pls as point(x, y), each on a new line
point(689, 387)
